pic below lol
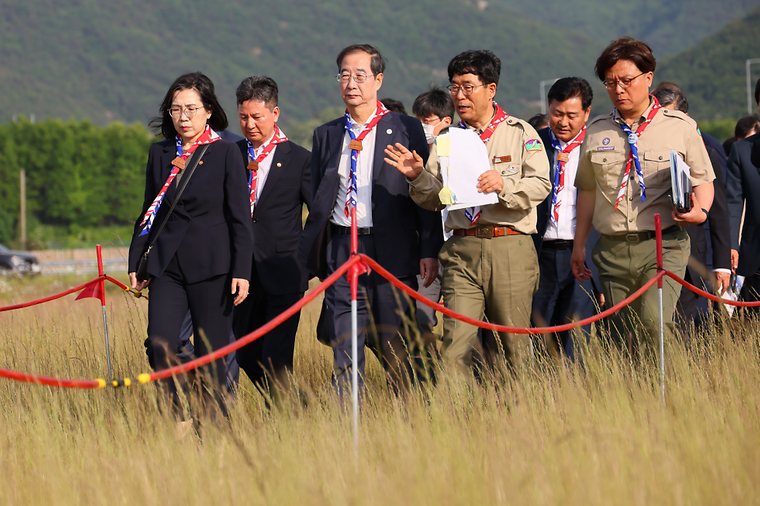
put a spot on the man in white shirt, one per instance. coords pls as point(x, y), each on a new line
point(560, 297)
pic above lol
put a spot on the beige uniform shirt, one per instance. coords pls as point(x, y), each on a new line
point(516, 151)
point(604, 154)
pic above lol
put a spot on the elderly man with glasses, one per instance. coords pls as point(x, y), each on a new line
point(490, 267)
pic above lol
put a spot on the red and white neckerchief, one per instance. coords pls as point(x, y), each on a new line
point(355, 146)
point(254, 161)
point(633, 156)
point(562, 156)
point(207, 137)
point(473, 213)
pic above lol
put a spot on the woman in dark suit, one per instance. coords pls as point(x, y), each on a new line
point(202, 258)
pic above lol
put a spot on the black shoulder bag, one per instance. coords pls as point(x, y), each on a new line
point(142, 265)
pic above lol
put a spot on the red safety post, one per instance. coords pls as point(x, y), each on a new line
point(658, 236)
point(101, 274)
point(658, 245)
point(353, 275)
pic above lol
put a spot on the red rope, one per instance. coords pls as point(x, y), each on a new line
point(52, 297)
point(709, 295)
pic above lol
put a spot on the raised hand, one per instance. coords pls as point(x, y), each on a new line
point(409, 163)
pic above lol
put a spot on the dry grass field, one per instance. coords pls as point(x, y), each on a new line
point(561, 434)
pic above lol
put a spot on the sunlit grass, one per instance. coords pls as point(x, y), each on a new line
point(556, 434)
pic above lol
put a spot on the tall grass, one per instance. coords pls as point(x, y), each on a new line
point(556, 434)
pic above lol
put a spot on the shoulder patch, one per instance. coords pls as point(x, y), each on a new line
point(533, 145)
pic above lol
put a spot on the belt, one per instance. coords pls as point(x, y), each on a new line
point(557, 244)
point(486, 232)
point(339, 230)
point(641, 236)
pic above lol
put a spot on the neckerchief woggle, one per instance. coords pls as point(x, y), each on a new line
point(473, 213)
point(254, 161)
point(633, 156)
point(559, 173)
point(207, 137)
point(356, 146)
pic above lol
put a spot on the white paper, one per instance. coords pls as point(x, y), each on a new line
point(468, 159)
point(680, 181)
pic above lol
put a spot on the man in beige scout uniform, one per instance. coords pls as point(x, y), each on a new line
point(489, 263)
point(624, 179)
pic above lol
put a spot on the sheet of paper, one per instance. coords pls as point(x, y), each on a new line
point(468, 159)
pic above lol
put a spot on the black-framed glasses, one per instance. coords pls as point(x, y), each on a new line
point(623, 83)
point(176, 111)
point(467, 89)
point(345, 77)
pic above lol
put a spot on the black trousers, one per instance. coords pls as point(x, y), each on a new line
point(380, 309)
point(270, 357)
point(210, 305)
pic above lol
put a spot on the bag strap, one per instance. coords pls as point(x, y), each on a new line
point(185, 180)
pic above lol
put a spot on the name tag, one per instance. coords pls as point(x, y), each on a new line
point(605, 148)
point(502, 159)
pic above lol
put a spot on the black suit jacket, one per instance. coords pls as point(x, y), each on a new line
point(278, 219)
point(717, 226)
point(210, 229)
point(743, 185)
point(403, 231)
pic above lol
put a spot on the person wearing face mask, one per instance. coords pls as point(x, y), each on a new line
point(624, 180)
point(560, 297)
point(490, 267)
point(202, 244)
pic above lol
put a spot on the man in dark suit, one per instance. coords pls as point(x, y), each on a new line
point(672, 97)
point(279, 185)
point(560, 297)
point(348, 172)
point(743, 188)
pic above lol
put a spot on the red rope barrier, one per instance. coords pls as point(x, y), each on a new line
point(709, 295)
point(52, 297)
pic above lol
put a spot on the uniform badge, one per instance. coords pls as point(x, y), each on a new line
point(533, 145)
point(502, 159)
point(606, 141)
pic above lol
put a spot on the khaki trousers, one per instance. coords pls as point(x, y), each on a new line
point(495, 278)
point(623, 268)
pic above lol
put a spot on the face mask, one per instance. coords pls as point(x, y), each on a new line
point(429, 132)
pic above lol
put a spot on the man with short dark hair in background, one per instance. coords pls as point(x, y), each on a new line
point(560, 297)
point(279, 185)
point(743, 188)
point(716, 227)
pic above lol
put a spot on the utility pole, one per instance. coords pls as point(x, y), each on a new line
point(542, 93)
point(22, 220)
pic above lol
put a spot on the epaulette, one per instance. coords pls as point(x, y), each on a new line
point(680, 115)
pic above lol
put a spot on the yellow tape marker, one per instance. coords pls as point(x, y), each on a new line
point(101, 382)
point(127, 382)
point(143, 378)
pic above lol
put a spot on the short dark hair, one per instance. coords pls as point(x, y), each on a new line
point(728, 144)
point(745, 125)
point(434, 102)
point(394, 105)
point(757, 92)
point(193, 81)
point(482, 63)
point(539, 121)
point(377, 63)
point(625, 48)
point(571, 87)
point(259, 88)
point(670, 93)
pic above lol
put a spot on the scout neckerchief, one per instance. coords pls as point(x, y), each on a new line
point(562, 156)
point(473, 213)
point(355, 146)
point(207, 137)
point(254, 161)
point(633, 156)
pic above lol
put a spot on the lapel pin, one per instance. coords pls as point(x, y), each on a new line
point(389, 131)
point(279, 164)
point(200, 163)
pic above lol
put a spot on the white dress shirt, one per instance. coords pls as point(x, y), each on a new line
point(565, 227)
point(264, 167)
point(364, 164)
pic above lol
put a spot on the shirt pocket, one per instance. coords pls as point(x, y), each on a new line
point(509, 170)
point(609, 167)
point(655, 164)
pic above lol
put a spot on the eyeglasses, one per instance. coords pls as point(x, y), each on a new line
point(467, 89)
point(190, 112)
point(358, 78)
point(623, 83)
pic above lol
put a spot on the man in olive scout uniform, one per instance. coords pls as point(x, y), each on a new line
point(624, 180)
point(489, 263)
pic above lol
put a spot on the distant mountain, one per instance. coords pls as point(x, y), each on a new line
point(713, 73)
point(667, 26)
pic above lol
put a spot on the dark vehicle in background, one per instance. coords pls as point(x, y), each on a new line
point(17, 262)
